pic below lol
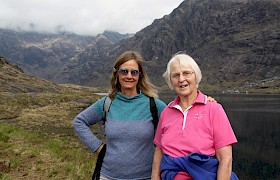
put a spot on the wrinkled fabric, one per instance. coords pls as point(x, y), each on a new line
point(199, 166)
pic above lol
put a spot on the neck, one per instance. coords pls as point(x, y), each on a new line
point(129, 92)
point(187, 101)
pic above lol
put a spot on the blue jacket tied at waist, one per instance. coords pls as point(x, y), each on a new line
point(199, 166)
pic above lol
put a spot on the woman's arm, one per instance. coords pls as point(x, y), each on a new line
point(224, 156)
point(82, 123)
point(156, 164)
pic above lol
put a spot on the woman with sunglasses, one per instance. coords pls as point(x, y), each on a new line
point(194, 137)
point(129, 128)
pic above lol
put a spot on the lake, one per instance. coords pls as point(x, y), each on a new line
point(255, 120)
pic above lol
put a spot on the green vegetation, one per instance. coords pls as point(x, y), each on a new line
point(33, 155)
point(37, 138)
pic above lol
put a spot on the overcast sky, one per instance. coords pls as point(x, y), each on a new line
point(85, 17)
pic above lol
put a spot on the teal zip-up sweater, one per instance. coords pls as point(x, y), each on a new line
point(129, 135)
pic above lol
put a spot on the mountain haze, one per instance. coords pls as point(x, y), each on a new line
point(235, 42)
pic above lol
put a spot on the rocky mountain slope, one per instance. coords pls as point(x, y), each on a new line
point(14, 80)
point(21, 94)
point(235, 42)
point(44, 55)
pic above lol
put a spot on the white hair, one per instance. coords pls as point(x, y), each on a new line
point(186, 61)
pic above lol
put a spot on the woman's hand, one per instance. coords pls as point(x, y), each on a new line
point(210, 99)
point(100, 148)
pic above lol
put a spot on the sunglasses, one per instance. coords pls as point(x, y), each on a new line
point(133, 72)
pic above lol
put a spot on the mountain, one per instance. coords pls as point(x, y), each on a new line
point(44, 55)
point(14, 80)
point(235, 42)
point(229, 39)
point(29, 101)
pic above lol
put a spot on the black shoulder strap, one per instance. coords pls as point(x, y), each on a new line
point(106, 108)
point(154, 111)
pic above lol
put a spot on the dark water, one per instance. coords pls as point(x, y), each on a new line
point(255, 120)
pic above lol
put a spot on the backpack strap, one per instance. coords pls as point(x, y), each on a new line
point(98, 165)
point(154, 111)
point(106, 107)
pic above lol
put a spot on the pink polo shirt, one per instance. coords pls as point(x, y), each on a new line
point(203, 128)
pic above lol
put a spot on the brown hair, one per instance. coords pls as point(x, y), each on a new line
point(143, 84)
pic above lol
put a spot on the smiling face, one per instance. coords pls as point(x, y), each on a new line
point(183, 79)
point(128, 82)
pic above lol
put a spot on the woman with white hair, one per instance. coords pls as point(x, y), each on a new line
point(194, 137)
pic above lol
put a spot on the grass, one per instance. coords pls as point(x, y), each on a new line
point(37, 137)
point(36, 156)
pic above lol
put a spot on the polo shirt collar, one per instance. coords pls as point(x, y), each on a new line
point(200, 99)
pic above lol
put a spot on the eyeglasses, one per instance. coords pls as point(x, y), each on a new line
point(133, 72)
point(185, 74)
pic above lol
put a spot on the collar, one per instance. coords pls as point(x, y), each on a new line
point(200, 99)
point(124, 97)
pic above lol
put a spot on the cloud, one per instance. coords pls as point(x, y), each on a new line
point(85, 17)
